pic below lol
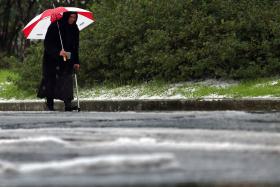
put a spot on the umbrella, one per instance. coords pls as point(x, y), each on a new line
point(38, 26)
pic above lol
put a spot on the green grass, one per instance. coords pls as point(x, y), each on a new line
point(8, 90)
point(253, 88)
point(154, 88)
point(191, 90)
point(157, 89)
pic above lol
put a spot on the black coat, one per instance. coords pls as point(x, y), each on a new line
point(57, 81)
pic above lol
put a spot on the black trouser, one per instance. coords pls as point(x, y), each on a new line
point(50, 103)
point(67, 104)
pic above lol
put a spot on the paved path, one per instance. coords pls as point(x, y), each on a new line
point(225, 148)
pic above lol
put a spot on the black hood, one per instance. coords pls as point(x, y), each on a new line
point(65, 17)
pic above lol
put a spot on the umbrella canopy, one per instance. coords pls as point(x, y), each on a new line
point(38, 26)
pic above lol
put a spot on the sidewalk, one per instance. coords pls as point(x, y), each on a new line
point(151, 105)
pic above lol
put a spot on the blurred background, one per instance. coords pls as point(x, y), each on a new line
point(136, 41)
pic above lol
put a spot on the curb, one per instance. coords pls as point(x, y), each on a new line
point(152, 105)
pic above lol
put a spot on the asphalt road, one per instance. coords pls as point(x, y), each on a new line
point(218, 148)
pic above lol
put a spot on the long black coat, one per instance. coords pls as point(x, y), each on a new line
point(57, 81)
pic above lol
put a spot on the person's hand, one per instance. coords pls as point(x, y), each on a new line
point(77, 67)
point(63, 54)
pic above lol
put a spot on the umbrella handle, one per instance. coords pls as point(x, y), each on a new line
point(64, 58)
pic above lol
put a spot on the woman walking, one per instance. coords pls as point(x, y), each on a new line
point(60, 61)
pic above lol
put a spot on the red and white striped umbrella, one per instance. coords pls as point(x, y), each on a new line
point(38, 26)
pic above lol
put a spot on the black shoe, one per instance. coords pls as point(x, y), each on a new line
point(49, 105)
point(70, 109)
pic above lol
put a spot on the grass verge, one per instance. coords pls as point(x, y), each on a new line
point(8, 90)
point(208, 89)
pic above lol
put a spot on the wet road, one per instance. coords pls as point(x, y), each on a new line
point(139, 149)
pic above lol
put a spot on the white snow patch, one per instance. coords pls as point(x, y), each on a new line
point(217, 83)
point(273, 83)
point(129, 141)
point(102, 163)
point(192, 145)
point(40, 139)
point(215, 96)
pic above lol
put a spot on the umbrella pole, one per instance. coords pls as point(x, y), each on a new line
point(59, 35)
point(60, 39)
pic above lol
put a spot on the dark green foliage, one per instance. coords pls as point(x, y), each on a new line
point(179, 40)
point(8, 61)
point(30, 70)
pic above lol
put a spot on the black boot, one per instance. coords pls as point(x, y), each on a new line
point(50, 104)
point(69, 107)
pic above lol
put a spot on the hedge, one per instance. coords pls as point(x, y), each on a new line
point(178, 40)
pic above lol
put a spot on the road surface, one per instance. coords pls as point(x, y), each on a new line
point(218, 148)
